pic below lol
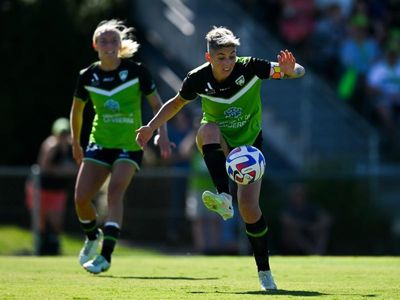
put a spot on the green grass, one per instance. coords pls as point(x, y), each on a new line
point(17, 241)
point(197, 277)
point(155, 276)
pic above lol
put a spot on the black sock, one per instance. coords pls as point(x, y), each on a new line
point(257, 235)
point(214, 158)
point(111, 234)
point(90, 229)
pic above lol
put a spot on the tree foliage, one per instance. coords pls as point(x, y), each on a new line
point(44, 45)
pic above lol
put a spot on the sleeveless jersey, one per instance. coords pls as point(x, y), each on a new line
point(51, 181)
point(116, 97)
point(235, 103)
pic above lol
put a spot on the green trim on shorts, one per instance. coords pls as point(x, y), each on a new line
point(99, 162)
point(259, 234)
point(90, 229)
point(129, 161)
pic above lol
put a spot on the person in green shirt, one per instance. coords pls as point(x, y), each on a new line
point(229, 87)
point(114, 85)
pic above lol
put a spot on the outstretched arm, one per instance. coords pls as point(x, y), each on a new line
point(166, 112)
point(286, 67)
point(163, 140)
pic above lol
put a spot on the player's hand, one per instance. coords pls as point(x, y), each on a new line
point(165, 145)
point(77, 153)
point(287, 62)
point(143, 135)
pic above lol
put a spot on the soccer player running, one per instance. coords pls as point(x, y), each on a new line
point(115, 85)
point(229, 87)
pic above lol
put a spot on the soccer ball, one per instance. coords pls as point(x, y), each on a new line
point(245, 164)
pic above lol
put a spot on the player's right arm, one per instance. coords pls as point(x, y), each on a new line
point(76, 119)
point(166, 112)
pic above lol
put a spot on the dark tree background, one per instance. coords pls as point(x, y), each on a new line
point(43, 46)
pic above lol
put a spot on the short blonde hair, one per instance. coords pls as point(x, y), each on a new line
point(221, 37)
point(128, 45)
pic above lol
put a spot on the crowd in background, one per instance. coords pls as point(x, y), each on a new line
point(353, 44)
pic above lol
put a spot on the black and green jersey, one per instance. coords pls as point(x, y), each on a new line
point(116, 96)
point(235, 103)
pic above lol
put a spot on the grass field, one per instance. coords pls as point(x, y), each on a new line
point(141, 275)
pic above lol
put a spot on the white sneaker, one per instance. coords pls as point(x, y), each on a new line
point(220, 203)
point(97, 265)
point(89, 248)
point(266, 280)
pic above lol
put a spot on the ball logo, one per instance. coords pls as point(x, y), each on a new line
point(245, 165)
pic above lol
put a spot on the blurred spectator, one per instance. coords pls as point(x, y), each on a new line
point(210, 234)
point(305, 226)
point(384, 90)
point(346, 6)
point(325, 42)
point(376, 12)
point(358, 52)
point(56, 165)
point(205, 225)
point(179, 129)
point(297, 23)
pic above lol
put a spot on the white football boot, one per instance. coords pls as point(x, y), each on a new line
point(89, 248)
point(266, 281)
point(97, 265)
point(220, 203)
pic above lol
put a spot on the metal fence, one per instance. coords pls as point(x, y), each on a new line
point(364, 206)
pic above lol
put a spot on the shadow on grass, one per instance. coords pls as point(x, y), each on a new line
point(158, 277)
point(273, 292)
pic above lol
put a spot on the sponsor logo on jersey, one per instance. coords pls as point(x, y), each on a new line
point(108, 79)
point(95, 81)
point(240, 80)
point(233, 112)
point(112, 105)
point(209, 89)
point(237, 122)
point(117, 119)
point(123, 75)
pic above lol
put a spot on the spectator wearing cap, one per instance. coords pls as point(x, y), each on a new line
point(383, 84)
point(358, 52)
point(56, 165)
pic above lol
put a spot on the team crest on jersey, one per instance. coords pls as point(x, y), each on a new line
point(112, 105)
point(123, 75)
point(240, 81)
point(233, 112)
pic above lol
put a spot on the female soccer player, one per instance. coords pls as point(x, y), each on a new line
point(229, 87)
point(114, 85)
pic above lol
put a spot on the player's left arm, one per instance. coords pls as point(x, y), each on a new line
point(286, 67)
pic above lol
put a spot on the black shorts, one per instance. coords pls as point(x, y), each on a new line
point(107, 156)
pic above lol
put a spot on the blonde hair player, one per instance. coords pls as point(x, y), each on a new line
point(115, 85)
